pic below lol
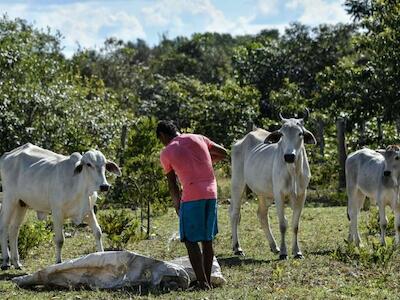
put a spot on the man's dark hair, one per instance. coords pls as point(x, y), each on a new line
point(166, 127)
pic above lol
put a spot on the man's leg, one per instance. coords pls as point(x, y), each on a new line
point(196, 259)
point(208, 257)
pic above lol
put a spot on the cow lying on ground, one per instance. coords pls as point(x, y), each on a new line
point(273, 172)
point(44, 181)
point(373, 174)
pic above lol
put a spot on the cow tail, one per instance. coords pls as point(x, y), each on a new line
point(1, 185)
point(348, 215)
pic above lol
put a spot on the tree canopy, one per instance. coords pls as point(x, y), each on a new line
point(210, 83)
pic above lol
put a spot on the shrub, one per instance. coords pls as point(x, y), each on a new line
point(372, 223)
point(326, 197)
point(143, 185)
point(119, 226)
point(369, 255)
point(32, 235)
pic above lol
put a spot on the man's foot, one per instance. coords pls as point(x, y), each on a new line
point(199, 286)
point(204, 285)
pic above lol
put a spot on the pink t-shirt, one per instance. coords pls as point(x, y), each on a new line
point(188, 155)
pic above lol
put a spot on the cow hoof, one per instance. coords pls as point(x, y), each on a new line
point(275, 250)
point(299, 256)
point(5, 267)
point(239, 253)
point(283, 257)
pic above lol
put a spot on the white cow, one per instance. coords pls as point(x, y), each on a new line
point(274, 171)
point(44, 181)
point(373, 174)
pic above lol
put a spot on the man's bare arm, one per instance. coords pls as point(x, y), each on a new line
point(174, 190)
point(218, 152)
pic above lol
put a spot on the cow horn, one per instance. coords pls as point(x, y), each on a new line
point(306, 114)
point(282, 118)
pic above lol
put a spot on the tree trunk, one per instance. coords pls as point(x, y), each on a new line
point(121, 150)
point(320, 137)
point(141, 218)
point(380, 132)
point(118, 186)
point(148, 219)
point(398, 126)
point(340, 130)
point(361, 140)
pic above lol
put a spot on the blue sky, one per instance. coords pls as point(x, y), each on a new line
point(88, 23)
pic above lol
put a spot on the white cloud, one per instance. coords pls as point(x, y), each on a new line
point(217, 20)
point(292, 4)
point(170, 13)
point(155, 15)
point(246, 25)
point(319, 11)
point(87, 23)
point(13, 10)
point(90, 22)
point(268, 7)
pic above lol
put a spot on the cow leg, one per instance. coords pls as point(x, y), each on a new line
point(236, 193)
point(279, 200)
point(396, 212)
point(58, 233)
point(395, 205)
point(355, 202)
point(297, 206)
point(382, 220)
point(5, 217)
point(15, 224)
point(96, 230)
point(263, 217)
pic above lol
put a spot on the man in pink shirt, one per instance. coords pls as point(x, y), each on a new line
point(189, 157)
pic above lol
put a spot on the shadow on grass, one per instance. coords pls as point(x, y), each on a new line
point(323, 252)
point(8, 276)
point(233, 261)
point(131, 291)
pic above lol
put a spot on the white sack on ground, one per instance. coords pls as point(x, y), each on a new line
point(216, 275)
point(118, 269)
point(109, 270)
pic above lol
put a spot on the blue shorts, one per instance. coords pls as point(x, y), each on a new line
point(198, 220)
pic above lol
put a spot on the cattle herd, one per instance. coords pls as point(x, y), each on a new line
point(273, 165)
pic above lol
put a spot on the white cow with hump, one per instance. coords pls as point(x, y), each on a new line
point(275, 167)
point(373, 174)
point(46, 182)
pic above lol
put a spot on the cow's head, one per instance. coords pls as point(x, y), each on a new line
point(94, 164)
point(392, 161)
point(291, 136)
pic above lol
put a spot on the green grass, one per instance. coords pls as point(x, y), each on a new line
point(257, 276)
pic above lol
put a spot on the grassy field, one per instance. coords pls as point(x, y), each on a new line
point(321, 275)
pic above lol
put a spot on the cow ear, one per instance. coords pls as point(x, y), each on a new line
point(113, 168)
point(309, 138)
point(78, 168)
point(394, 148)
point(381, 151)
point(273, 137)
